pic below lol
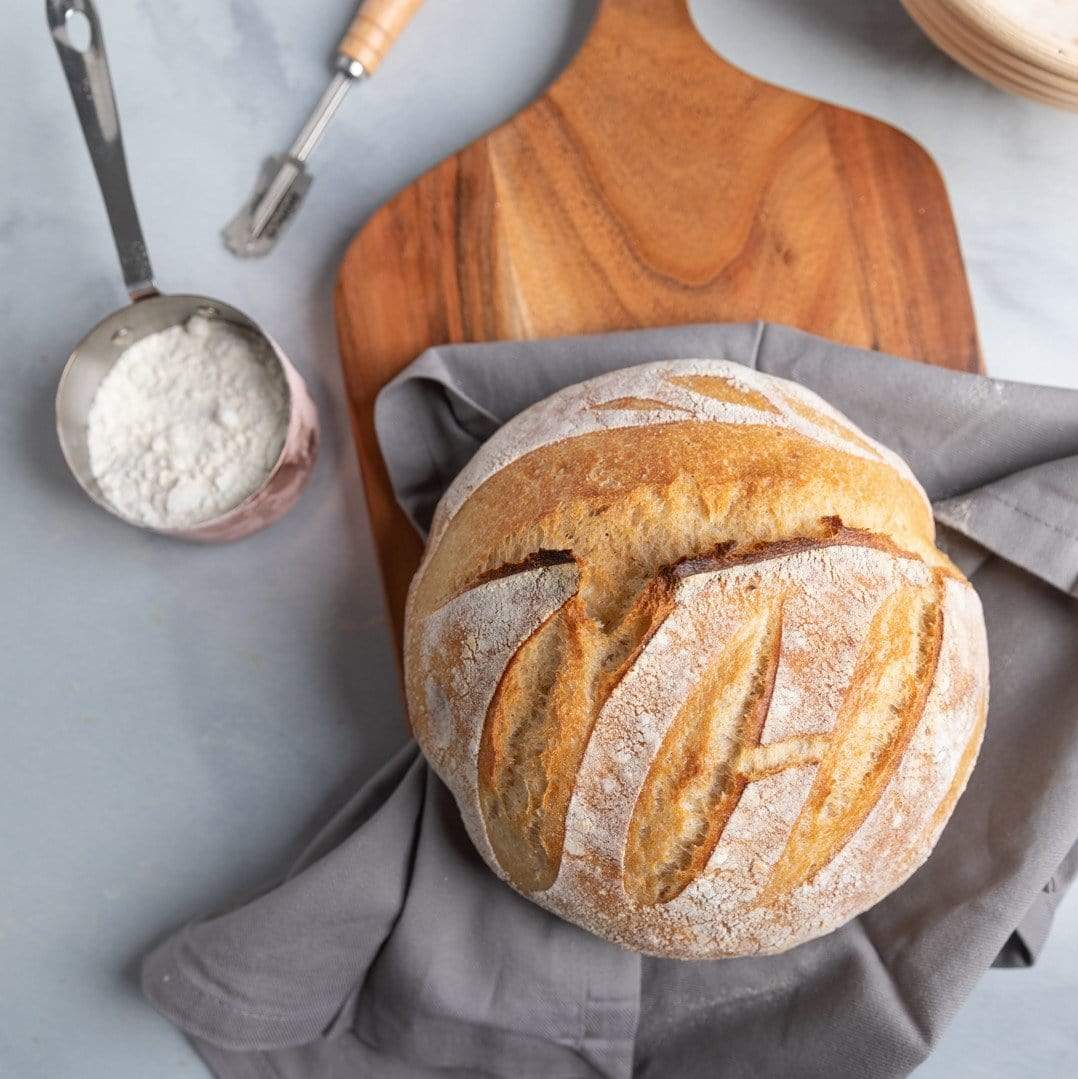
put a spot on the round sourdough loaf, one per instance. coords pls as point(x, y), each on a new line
point(684, 650)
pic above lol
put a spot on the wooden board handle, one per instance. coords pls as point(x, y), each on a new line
point(377, 24)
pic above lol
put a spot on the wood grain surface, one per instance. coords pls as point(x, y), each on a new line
point(652, 184)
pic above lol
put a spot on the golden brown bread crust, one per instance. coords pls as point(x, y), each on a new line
point(628, 502)
point(686, 653)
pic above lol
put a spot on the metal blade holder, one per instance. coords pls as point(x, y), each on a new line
point(284, 178)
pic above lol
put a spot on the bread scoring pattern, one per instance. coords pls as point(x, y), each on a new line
point(744, 750)
point(677, 703)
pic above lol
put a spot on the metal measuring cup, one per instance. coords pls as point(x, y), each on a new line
point(150, 312)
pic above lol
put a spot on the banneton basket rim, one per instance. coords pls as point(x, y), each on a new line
point(1055, 54)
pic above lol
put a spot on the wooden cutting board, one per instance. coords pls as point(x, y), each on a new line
point(652, 184)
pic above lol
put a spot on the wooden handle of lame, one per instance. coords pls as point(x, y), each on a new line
point(377, 24)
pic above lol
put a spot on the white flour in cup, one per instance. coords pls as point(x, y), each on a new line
point(188, 423)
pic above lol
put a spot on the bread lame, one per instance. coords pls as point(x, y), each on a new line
point(284, 178)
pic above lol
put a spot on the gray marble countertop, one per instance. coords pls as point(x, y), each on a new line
point(177, 720)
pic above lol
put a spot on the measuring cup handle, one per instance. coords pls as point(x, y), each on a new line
point(88, 78)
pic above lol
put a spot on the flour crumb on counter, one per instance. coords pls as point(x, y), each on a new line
point(188, 423)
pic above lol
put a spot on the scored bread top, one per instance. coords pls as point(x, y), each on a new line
point(685, 652)
point(672, 391)
point(637, 469)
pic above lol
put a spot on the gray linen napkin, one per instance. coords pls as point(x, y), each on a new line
point(391, 951)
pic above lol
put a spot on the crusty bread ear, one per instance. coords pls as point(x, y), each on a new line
point(684, 650)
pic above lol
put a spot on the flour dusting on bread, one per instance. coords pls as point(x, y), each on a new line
point(684, 650)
